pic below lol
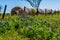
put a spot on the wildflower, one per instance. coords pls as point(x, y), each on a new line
point(30, 19)
point(22, 20)
point(18, 19)
point(30, 29)
point(53, 30)
point(23, 17)
point(38, 30)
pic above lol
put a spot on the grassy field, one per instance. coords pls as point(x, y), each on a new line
point(37, 27)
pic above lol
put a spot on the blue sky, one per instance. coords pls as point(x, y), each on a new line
point(49, 4)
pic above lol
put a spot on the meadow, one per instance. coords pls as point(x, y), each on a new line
point(37, 27)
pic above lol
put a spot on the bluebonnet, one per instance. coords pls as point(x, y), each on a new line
point(38, 30)
point(53, 30)
point(30, 29)
point(27, 18)
point(23, 17)
point(30, 19)
point(18, 18)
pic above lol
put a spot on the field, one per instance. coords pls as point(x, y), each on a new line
point(37, 27)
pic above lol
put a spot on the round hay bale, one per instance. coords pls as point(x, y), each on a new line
point(18, 11)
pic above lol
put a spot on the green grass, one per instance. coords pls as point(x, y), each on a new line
point(37, 27)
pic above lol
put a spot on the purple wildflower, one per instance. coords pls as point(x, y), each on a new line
point(53, 30)
point(18, 19)
point(30, 29)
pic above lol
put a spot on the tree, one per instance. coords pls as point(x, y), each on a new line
point(0, 8)
point(34, 3)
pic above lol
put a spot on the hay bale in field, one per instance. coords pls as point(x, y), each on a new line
point(18, 11)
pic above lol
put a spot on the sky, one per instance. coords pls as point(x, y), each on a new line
point(48, 4)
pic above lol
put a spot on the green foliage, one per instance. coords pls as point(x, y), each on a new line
point(38, 27)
